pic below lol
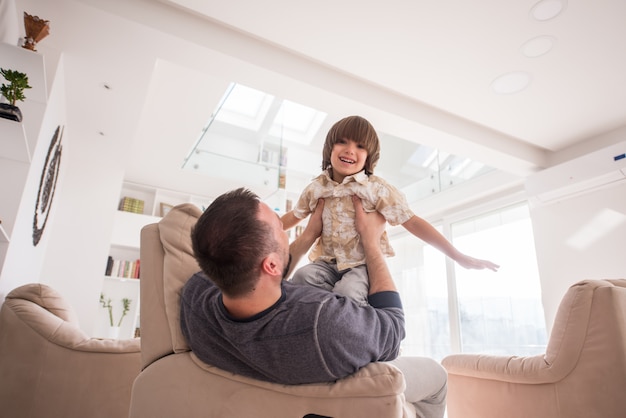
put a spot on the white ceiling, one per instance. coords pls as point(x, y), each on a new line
point(416, 69)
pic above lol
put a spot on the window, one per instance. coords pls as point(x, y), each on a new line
point(481, 311)
point(420, 275)
point(500, 313)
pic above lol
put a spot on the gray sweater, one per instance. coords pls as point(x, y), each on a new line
point(309, 335)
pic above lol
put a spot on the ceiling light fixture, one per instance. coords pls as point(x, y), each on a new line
point(547, 9)
point(538, 46)
point(511, 83)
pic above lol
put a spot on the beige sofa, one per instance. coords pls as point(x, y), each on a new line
point(174, 383)
point(50, 368)
point(581, 375)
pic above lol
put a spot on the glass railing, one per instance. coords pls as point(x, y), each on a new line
point(270, 144)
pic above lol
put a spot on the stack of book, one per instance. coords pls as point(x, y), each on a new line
point(129, 204)
point(122, 268)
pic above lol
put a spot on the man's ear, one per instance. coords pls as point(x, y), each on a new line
point(270, 265)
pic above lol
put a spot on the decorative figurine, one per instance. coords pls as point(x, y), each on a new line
point(36, 30)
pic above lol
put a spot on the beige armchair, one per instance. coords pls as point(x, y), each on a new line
point(581, 375)
point(174, 383)
point(50, 368)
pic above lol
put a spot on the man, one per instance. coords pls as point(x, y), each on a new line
point(248, 320)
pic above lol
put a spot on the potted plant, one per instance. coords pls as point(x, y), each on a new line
point(115, 327)
point(13, 92)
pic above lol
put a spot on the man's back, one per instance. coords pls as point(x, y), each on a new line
point(309, 335)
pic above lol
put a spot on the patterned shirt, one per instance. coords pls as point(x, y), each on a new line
point(340, 242)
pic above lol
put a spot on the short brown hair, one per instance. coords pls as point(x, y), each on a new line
point(359, 130)
point(229, 241)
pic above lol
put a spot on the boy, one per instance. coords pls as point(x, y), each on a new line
point(351, 151)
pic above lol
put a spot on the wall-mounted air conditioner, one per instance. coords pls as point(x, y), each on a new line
point(580, 175)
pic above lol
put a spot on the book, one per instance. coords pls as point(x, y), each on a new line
point(109, 266)
point(123, 268)
point(129, 204)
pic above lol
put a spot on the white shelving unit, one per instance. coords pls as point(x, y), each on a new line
point(14, 159)
point(158, 201)
point(15, 146)
point(125, 241)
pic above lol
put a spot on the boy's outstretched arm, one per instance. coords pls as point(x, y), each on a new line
point(427, 233)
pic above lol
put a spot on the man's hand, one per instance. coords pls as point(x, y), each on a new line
point(370, 226)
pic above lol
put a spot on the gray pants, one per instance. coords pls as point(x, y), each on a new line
point(426, 385)
point(426, 380)
point(351, 282)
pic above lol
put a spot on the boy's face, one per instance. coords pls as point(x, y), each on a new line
point(347, 158)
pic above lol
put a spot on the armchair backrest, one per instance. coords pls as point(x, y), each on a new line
point(167, 262)
point(591, 313)
point(582, 374)
point(174, 382)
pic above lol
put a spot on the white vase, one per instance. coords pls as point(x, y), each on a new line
point(113, 332)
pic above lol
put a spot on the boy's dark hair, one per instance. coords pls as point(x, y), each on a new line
point(229, 241)
point(359, 130)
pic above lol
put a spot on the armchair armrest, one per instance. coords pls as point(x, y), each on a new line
point(511, 369)
point(42, 309)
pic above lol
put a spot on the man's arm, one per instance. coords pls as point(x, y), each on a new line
point(370, 227)
point(354, 335)
point(303, 243)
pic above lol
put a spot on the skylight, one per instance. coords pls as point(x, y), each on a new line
point(269, 143)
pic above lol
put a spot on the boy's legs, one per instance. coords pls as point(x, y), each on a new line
point(354, 283)
point(319, 274)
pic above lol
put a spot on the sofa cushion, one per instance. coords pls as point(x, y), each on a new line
point(179, 264)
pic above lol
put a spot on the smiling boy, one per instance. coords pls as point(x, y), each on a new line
point(350, 154)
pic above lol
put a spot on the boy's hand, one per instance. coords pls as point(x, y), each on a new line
point(476, 264)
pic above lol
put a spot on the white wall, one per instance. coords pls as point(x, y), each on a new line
point(583, 237)
point(24, 260)
point(71, 256)
point(40, 111)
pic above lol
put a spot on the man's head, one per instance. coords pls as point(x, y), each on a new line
point(359, 130)
point(234, 236)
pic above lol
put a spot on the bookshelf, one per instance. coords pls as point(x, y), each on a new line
point(157, 201)
point(139, 205)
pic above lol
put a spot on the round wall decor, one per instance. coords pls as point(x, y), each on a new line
point(47, 185)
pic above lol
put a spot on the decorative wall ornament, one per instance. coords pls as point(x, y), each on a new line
point(36, 29)
point(47, 185)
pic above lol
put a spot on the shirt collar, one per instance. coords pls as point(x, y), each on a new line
point(359, 177)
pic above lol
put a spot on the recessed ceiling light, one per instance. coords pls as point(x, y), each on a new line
point(538, 46)
point(510, 83)
point(547, 9)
